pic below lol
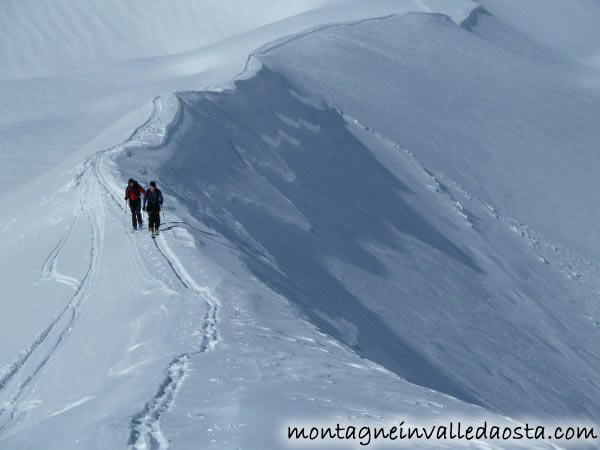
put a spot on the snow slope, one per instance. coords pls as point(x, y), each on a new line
point(324, 205)
point(42, 38)
point(341, 241)
point(150, 322)
point(56, 99)
point(495, 113)
point(567, 26)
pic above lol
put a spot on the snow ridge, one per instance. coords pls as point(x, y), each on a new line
point(144, 426)
point(153, 134)
point(94, 182)
point(250, 66)
point(572, 265)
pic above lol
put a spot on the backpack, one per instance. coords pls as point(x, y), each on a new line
point(135, 190)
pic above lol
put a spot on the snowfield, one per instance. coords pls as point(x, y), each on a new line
point(374, 212)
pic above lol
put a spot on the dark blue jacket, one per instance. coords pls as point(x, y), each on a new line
point(154, 200)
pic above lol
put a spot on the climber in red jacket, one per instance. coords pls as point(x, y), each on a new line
point(133, 194)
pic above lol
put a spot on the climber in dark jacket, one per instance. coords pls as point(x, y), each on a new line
point(153, 201)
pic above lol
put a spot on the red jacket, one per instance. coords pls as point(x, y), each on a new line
point(134, 193)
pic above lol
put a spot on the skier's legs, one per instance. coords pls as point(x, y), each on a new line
point(154, 219)
point(151, 215)
point(134, 206)
point(139, 216)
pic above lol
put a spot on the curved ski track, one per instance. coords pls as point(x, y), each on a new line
point(95, 177)
point(28, 364)
point(144, 426)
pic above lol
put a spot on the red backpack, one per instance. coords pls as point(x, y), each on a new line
point(135, 192)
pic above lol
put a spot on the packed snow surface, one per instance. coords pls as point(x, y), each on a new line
point(374, 211)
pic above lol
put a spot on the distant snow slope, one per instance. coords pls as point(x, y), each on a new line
point(92, 63)
point(47, 37)
point(565, 25)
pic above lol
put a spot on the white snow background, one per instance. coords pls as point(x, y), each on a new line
point(373, 210)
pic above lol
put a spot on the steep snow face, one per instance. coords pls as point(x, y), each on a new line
point(371, 173)
point(41, 38)
point(500, 111)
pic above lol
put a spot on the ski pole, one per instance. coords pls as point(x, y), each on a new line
point(125, 206)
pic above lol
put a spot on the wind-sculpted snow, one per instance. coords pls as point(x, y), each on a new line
point(279, 358)
point(340, 238)
point(73, 70)
point(352, 219)
point(496, 112)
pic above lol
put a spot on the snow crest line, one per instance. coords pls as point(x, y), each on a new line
point(294, 37)
point(145, 431)
point(152, 128)
point(433, 183)
point(570, 264)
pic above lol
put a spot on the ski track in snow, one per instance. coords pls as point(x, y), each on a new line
point(49, 269)
point(208, 235)
point(145, 431)
point(145, 425)
point(95, 177)
point(30, 362)
point(70, 406)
